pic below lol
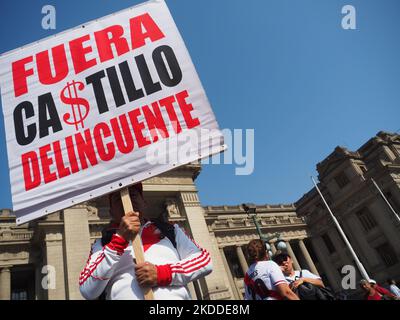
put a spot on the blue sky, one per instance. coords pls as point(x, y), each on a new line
point(284, 68)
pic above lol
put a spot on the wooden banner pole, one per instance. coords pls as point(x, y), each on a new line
point(137, 242)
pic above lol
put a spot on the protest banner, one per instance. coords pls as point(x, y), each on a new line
point(83, 108)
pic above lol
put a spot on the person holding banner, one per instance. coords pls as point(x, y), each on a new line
point(172, 258)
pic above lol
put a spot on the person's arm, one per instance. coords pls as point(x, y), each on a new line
point(315, 282)
point(100, 267)
point(385, 292)
point(280, 284)
point(195, 262)
point(102, 261)
point(284, 290)
point(309, 277)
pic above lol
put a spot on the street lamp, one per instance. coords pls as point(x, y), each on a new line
point(251, 211)
point(268, 248)
point(281, 245)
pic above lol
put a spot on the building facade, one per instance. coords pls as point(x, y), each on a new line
point(232, 230)
point(371, 226)
point(42, 259)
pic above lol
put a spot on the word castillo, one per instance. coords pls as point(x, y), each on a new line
point(120, 134)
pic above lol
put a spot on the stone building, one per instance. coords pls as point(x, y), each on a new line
point(370, 225)
point(43, 259)
point(232, 230)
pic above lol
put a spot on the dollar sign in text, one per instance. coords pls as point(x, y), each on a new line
point(79, 106)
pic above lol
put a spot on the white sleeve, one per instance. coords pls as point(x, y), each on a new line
point(100, 267)
point(276, 274)
point(195, 262)
point(308, 274)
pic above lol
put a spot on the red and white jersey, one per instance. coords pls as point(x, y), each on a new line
point(261, 281)
point(112, 268)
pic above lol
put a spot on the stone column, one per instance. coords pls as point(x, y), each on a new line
point(327, 266)
point(228, 272)
point(197, 290)
point(38, 280)
point(216, 282)
point(307, 256)
point(296, 264)
point(55, 264)
point(242, 259)
point(192, 291)
point(5, 283)
point(77, 247)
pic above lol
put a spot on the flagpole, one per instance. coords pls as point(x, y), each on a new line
point(358, 262)
point(386, 200)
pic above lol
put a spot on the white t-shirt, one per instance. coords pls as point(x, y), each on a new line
point(304, 274)
point(395, 290)
point(261, 281)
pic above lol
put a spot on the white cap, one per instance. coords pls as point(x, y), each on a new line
point(372, 281)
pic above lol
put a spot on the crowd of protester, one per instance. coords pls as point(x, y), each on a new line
point(274, 278)
point(173, 260)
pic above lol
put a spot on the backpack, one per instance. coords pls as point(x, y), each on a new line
point(308, 291)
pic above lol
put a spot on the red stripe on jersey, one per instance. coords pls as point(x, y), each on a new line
point(258, 287)
point(190, 261)
point(200, 259)
point(89, 271)
point(195, 268)
point(247, 280)
point(93, 266)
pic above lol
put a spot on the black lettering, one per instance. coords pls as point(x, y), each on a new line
point(160, 63)
point(133, 93)
point(149, 85)
point(115, 86)
point(27, 108)
point(95, 81)
point(48, 107)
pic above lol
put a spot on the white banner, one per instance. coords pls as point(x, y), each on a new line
point(99, 107)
